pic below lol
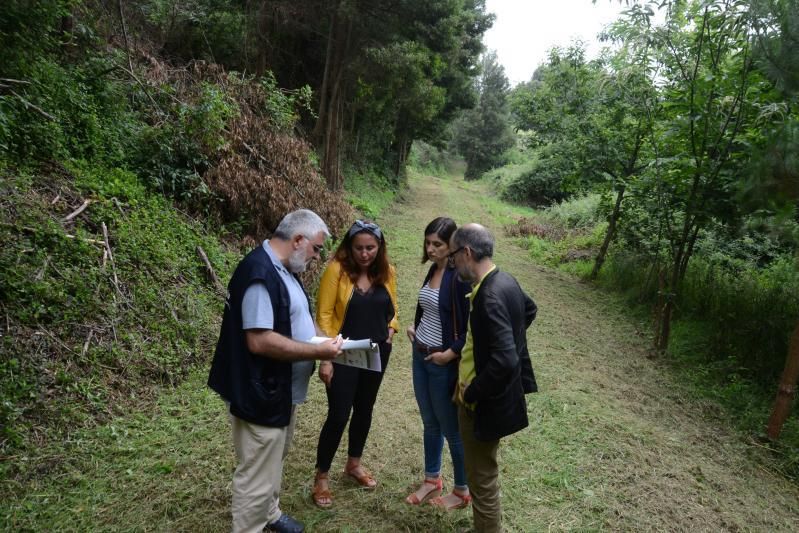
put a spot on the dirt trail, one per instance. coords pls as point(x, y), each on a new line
point(612, 443)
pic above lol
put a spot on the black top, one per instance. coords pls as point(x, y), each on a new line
point(501, 314)
point(368, 314)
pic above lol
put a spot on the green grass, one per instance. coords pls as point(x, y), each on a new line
point(616, 440)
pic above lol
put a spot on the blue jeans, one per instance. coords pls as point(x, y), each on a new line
point(432, 386)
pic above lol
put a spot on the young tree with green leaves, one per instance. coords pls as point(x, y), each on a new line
point(708, 91)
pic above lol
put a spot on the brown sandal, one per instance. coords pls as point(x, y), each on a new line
point(321, 497)
point(363, 478)
point(434, 489)
point(462, 501)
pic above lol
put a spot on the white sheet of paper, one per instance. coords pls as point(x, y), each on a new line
point(361, 353)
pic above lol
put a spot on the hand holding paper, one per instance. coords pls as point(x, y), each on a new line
point(361, 353)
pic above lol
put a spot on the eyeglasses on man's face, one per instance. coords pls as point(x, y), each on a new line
point(317, 248)
point(452, 254)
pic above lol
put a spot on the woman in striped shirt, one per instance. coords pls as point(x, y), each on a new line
point(437, 335)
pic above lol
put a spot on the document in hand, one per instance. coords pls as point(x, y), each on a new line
point(361, 353)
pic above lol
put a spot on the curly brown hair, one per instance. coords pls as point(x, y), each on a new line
point(380, 268)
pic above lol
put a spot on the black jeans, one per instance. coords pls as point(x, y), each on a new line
point(351, 390)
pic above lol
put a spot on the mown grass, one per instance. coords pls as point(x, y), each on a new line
point(729, 335)
point(614, 443)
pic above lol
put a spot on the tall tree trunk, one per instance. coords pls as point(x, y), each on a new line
point(329, 124)
point(609, 234)
point(321, 116)
point(331, 157)
point(787, 390)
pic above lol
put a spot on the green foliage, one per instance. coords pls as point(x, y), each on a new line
point(283, 106)
point(172, 155)
point(27, 32)
point(565, 235)
point(427, 158)
point(484, 133)
point(544, 180)
point(213, 30)
point(580, 212)
point(88, 115)
point(370, 190)
point(520, 162)
point(747, 312)
point(79, 320)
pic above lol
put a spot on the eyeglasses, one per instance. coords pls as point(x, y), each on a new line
point(451, 255)
point(317, 248)
point(360, 226)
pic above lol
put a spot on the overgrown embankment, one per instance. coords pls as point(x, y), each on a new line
point(105, 300)
point(116, 166)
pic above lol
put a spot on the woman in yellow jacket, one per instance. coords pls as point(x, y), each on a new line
point(357, 299)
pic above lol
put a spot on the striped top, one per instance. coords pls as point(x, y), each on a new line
point(429, 330)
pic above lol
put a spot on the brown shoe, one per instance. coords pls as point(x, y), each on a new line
point(433, 488)
point(362, 477)
point(321, 496)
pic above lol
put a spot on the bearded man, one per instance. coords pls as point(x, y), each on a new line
point(262, 365)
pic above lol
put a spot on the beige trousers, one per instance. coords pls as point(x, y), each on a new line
point(260, 451)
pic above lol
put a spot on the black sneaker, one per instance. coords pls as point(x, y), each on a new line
point(285, 524)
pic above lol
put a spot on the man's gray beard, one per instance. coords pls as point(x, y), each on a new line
point(297, 262)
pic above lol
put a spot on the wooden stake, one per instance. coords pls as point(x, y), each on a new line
point(787, 389)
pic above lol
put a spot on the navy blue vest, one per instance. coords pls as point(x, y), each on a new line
point(257, 387)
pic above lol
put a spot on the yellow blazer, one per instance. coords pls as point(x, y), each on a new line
point(335, 291)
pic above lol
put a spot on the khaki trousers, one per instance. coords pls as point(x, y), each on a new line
point(260, 451)
point(482, 474)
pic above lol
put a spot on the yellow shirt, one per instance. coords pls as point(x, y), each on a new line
point(466, 370)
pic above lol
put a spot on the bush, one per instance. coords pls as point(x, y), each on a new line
point(544, 181)
point(579, 212)
point(427, 158)
point(369, 191)
point(748, 313)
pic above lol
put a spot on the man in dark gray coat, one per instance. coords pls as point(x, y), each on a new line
point(495, 370)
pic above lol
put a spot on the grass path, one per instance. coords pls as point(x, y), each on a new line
point(614, 443)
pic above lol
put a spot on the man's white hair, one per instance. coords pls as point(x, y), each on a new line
point(301, 222)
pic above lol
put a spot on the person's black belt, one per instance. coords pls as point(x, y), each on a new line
point(427, 350)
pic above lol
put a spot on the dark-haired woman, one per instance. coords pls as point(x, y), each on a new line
point(438, 335)
point(357, 299)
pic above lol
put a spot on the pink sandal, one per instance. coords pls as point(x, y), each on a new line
point(436, 487)
point(465, 500)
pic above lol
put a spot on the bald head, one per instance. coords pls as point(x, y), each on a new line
point(477, 238)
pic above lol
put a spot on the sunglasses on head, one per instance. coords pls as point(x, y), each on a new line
point(360, 226)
